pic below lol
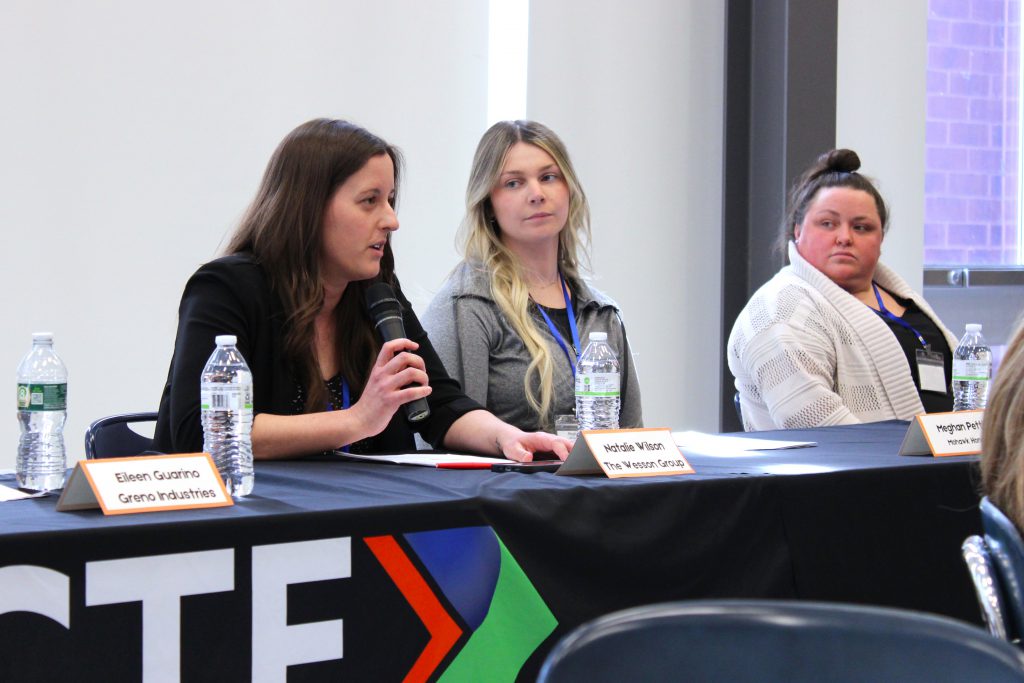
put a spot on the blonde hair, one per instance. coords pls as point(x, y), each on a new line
point(480, 240)
point(1002, 433)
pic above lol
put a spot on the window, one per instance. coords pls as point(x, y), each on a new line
point(973, 164)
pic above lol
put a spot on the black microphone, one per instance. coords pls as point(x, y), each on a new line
point(386, 313)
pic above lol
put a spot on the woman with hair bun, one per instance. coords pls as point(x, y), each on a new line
point(836, 337)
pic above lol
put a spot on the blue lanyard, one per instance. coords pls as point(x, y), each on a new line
point(886, 313)
point(346, 400)
point(573, 357)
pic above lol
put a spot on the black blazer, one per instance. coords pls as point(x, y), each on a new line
point(232, 295)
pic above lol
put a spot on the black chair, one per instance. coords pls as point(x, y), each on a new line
point(111, 437)
point(996, 565)
point(764, 640)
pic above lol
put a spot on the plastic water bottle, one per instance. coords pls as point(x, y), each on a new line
point(597, 385)
point(42, 410)
point(226, 403)
point(972, 370)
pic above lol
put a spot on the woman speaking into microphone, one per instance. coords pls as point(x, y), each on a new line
point(292, 289)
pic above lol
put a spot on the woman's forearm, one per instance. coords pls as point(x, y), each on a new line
point(289, 436)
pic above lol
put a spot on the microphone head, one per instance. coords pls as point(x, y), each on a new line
point(385, 311)
point(381, 301)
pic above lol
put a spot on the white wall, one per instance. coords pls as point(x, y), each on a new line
point(133, 134)
point(635, 89)
point(880, 113)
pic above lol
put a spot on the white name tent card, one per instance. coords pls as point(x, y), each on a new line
point(144, 484)
point(942, 434)
point(625, 453)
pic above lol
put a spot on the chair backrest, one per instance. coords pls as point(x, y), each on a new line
point(986, 585)
point(111, 437)
point(791, 641)
point(1006, 549)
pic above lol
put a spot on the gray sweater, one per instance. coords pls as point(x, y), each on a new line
point(482, 351)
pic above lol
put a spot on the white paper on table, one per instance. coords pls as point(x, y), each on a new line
point(7, 493)
point(714, 444)
point(425, 459)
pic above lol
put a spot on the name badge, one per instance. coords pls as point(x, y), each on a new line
point(566, 426)
point(625, 453)
point(943, 434)
point(147, 483)
point(931, 371)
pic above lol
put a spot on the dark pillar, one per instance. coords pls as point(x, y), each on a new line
point(780, 114)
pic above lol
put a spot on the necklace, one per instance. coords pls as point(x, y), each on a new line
point(544, 285)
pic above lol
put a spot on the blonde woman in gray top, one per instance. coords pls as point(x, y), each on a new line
point(510, 320)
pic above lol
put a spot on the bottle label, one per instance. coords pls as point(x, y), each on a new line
point(971, 370)
point(233, 397)
point(39, 397)
point(598, 384)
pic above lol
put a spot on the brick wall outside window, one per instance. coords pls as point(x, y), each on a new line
point(971, 165)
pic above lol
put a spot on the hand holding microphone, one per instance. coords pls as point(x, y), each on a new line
point(386, 313)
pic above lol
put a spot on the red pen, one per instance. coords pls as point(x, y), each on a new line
point(464, 465)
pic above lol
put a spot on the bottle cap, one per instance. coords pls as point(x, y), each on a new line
point(598, 336)
point(42, 336)
point(973, 327)
point(226, 340)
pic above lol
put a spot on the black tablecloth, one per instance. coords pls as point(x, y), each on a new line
point(847, 520)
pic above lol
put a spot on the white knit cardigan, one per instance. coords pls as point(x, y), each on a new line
point(807, 353)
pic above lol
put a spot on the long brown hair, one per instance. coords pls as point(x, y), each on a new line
point(1002, 433)
point(282, 229)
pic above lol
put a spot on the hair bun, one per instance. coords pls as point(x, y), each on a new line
point(839, 161)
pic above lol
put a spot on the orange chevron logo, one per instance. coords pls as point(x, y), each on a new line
point(444, 632)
